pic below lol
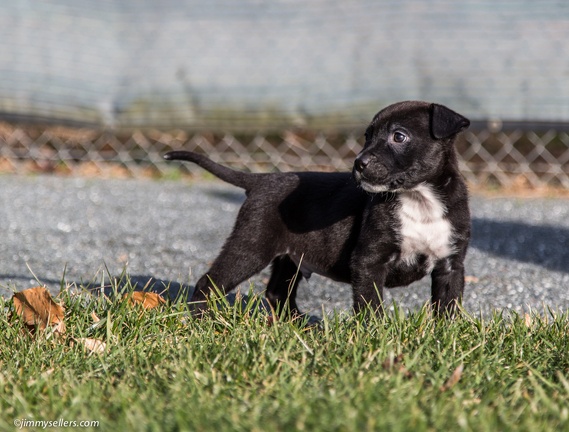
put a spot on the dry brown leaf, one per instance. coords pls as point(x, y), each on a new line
point(94, 317)
point(390, 362)
point(59, 328)
point(37, 308)
point(148, 300)
point(396, 364)
point(93, 345)
point(454, 378)
point(527, 320)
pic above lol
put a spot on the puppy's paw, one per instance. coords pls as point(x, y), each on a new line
point(198, 309)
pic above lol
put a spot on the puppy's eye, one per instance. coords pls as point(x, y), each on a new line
point(399, 137)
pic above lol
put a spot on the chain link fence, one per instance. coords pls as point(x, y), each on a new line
point(488, 157)
point(217, 75)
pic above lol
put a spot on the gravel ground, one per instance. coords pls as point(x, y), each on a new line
point(85, 229)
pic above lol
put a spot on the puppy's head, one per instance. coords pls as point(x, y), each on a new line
point(407, 143)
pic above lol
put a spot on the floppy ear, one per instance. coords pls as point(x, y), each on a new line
point(445, 122)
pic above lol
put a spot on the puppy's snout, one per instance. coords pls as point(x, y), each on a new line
point(361, 162)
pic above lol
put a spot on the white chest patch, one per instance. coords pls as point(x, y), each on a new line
point(424, 228)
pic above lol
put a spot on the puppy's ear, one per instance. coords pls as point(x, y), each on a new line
point(445, 122)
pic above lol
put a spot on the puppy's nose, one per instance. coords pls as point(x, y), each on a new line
point(362, 162)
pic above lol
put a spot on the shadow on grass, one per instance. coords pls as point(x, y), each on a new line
point(169, 290)
point(175, 291)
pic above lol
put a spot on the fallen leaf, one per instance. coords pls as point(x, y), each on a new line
point(95, 317)
point(93, 345)
point(59, 328)
point(396, 364)
point(454, 378)
point(471, 279)
point(271, 320)
point(390, 362)
point(38, 309)
point(148, 300)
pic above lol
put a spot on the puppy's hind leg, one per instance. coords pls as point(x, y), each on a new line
point(282, 286)
point(233, 266)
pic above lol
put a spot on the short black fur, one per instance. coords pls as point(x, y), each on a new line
point(353, 228)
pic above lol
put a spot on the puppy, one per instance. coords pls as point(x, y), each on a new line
point(400, 215)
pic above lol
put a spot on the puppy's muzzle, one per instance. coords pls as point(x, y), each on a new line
point(366, 165)
point(373, 176)
point(368, 169)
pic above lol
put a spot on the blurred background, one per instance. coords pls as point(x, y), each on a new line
point(106, 87)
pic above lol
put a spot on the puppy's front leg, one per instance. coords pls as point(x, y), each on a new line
point(447, 285)
point(367, 284)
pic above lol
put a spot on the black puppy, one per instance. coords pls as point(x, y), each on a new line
point(402, 214)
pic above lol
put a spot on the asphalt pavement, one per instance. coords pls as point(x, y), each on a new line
point(81, 231)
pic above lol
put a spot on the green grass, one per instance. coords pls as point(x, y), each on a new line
point(236, 370)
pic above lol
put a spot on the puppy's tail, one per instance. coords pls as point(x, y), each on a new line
point(237, 178)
